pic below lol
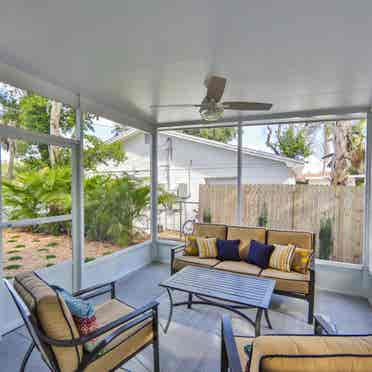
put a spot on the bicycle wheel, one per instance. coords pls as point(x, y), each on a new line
point(188, 227)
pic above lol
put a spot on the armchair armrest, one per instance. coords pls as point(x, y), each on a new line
point(230, 360)
point(96, 290)
point(151, 306)
point(174, 250)
point(323, 326)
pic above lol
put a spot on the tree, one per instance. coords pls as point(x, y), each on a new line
point(224, 135)
point(292, 141)
point(348, 149)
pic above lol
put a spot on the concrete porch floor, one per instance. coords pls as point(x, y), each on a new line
point(192, 342)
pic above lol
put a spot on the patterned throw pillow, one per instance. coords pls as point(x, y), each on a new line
point(191, 248)
point(301, 260)
point(282, 257)
point(86, 326)
point(207, 247)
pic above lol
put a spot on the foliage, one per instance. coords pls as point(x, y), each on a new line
point(289, 140)
point(224, 135)
point(325, 238)
point(263, 218)
point(207, 216)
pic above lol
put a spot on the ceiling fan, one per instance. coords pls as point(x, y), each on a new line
point(211, 109)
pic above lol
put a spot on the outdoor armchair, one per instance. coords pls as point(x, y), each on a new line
point(326, 351)
point(123, 331)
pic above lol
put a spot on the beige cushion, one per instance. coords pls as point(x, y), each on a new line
point(241, 267)
point(246, 234)
point(288, 282)
point(208, 230)
point(298, 238)
point(279, 352)
point(182, 261)
point(53, 316)
point(125, 345)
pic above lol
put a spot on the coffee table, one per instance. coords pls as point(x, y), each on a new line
point(230, 291)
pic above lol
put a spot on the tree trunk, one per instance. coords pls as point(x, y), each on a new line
point(342, 158)
point(12, 153)
point(55, 116)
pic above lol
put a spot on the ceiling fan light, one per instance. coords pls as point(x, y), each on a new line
point(212, 113)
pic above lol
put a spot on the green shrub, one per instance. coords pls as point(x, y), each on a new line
point(325, 238)
point(13, 251)
point(43, 250)
point(49, 264)
point(12, 267)
point(89, 259)
point(50, 256)
point(207, 216)
point(12, 241)
point(20, 246)
point(107, 253)
point(36, 240)
point(52, 244)
point(263, 219)
point(15, 236)
point(15, 258)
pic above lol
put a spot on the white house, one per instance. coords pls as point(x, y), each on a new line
point(190, 160)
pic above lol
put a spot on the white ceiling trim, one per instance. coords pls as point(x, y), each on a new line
point(24, 80)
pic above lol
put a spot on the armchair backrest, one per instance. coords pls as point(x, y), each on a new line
point(45, 313)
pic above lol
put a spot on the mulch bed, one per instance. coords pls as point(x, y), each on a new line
point(25, 251)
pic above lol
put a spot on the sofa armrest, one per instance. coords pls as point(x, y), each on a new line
point(96, 290)
point(176, 250)
point(323, 326)
point(230, 360)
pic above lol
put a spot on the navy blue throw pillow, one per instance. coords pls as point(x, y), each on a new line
point(259, 254)
point(228, 250)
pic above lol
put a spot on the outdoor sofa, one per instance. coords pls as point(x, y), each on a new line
point(293, 284)
point(326, 351)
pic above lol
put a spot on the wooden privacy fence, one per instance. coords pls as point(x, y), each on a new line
point(295, 207)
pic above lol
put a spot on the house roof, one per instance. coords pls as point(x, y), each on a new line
point(291, 163)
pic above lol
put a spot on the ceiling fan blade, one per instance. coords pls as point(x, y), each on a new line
point(241, 105)
point(215, 88)
point(174, 106)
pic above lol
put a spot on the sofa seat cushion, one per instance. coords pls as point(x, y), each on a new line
point(241, 267)
point(309, 354)
point(182, 261)
point(288, 282)
point(125, 345)
point(210, 230)
point(245, 235)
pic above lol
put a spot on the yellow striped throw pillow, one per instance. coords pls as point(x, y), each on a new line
point(282, 257)
point(207, 247)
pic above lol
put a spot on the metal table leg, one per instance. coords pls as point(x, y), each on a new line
point(170, 310)
point(268, 319)
point(189, 301)
point(258, 322)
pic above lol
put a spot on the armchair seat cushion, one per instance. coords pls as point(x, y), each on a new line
point(311, 354)
point(182, 261)
point(288, 281)
point(240, 267)
point(125, 345)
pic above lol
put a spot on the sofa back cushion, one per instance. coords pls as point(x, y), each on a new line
point(209, 230)
point(52, 315)
point(297, 238)
point(245, 235)
point(311, 353)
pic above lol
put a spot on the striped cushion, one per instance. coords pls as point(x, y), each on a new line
point(207, 247)
point(282, 257)
point(301, 260)
point(191, 246)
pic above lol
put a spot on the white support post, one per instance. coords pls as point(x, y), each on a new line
point(367, 256)
point(77, 194)
point(239, 188)
point(154, 193)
